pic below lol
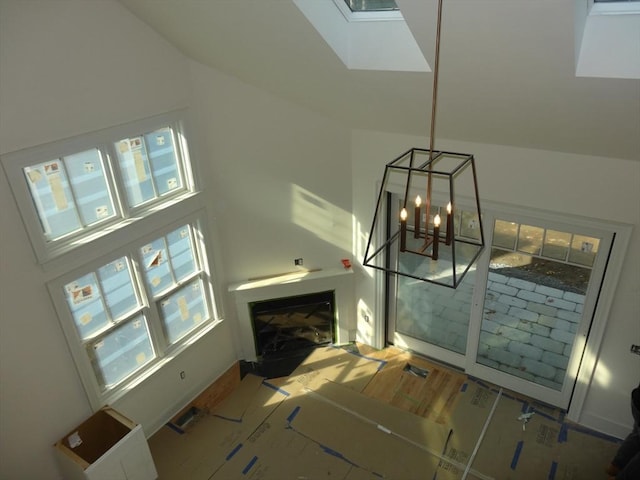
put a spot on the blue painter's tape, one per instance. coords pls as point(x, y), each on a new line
point(593, 433)
point(552, 471)
point(233, 452)
point(516, 455)
point(562, 435)
point(336, 454)
point(464, 386)
point(277, 389)
point(293, 414)
point(249, 465)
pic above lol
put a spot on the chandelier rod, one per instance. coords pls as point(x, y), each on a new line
point(435, 83)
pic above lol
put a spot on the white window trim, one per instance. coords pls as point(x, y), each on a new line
point(164, 352)
point(607, 39)
point(365, 40)
point(373, 16)
point(13, 164)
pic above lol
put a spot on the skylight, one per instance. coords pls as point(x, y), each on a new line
point(365, 40)
point(371, 5)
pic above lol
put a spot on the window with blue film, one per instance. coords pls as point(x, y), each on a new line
point(70, 193)
point(86, 305)
point(149, 166)
point(183, 310)
point(121, 352)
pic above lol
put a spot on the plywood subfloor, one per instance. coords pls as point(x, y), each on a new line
point(361, 413)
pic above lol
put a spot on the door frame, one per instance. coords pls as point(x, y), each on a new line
point(588, 339)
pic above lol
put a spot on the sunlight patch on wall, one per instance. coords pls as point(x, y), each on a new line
point(324, 219)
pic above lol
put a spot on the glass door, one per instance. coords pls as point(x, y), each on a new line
point(542, 281)
point(521, 317)
point(433, 319)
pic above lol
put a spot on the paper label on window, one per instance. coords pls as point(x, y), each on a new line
point(184, 308)
point(137, 324)
point(123, 146)
point(34, 175)
point(140, 358)
point(51, 168)
point(85, 319)
point(172, 183)
point(147, 249)
point(160, 140)
point(197, 317)
point(118, 266)
point(139, 165)
point(57, 190)
point(74, 440)
point(102, 211)
point(89, 167)
point(156, 260)
point(82, 294)
point(184, 233)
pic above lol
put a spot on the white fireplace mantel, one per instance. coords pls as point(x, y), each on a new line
point(340, 281)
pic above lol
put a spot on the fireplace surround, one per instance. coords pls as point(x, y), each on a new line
point(337, 281)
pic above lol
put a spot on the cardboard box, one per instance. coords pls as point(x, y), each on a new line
point(107, 446)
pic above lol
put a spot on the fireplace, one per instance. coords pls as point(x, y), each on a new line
point(290, 325)
point(261, 293)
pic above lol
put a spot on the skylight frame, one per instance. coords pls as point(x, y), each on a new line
point(614, 7)
point(377, 16)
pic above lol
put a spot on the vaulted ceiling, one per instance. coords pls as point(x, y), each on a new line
point(507, 71)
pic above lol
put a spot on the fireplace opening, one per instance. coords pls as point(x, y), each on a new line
point(287, 329)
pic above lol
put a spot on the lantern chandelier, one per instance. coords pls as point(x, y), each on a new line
point(427, 224)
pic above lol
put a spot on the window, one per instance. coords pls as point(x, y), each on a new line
point(124, 312)
point(115, 216)
point(365, 39)
point(371, 5)
point(71, 192)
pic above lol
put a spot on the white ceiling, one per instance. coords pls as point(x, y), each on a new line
point(507, 71)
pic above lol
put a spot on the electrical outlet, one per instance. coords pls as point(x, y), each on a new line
point(635, 349)
point(298, 262)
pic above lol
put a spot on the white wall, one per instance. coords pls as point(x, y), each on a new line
point(276, 179)
point(603, 188)
point(280, 179)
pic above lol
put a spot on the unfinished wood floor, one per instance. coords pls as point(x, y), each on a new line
point(359, 413)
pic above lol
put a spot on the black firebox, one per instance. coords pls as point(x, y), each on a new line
point(287, 329)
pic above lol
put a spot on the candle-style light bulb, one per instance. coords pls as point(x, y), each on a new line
point(403, 229)
point(449, 233)
point(416, 221)
point(436, 235)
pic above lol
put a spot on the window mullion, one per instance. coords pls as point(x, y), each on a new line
point(156, 195)
point(149, 305)
point(116, 182)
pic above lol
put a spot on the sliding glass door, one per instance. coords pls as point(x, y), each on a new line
point(522, 315)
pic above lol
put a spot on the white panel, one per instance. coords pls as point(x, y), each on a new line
point(610, 47)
